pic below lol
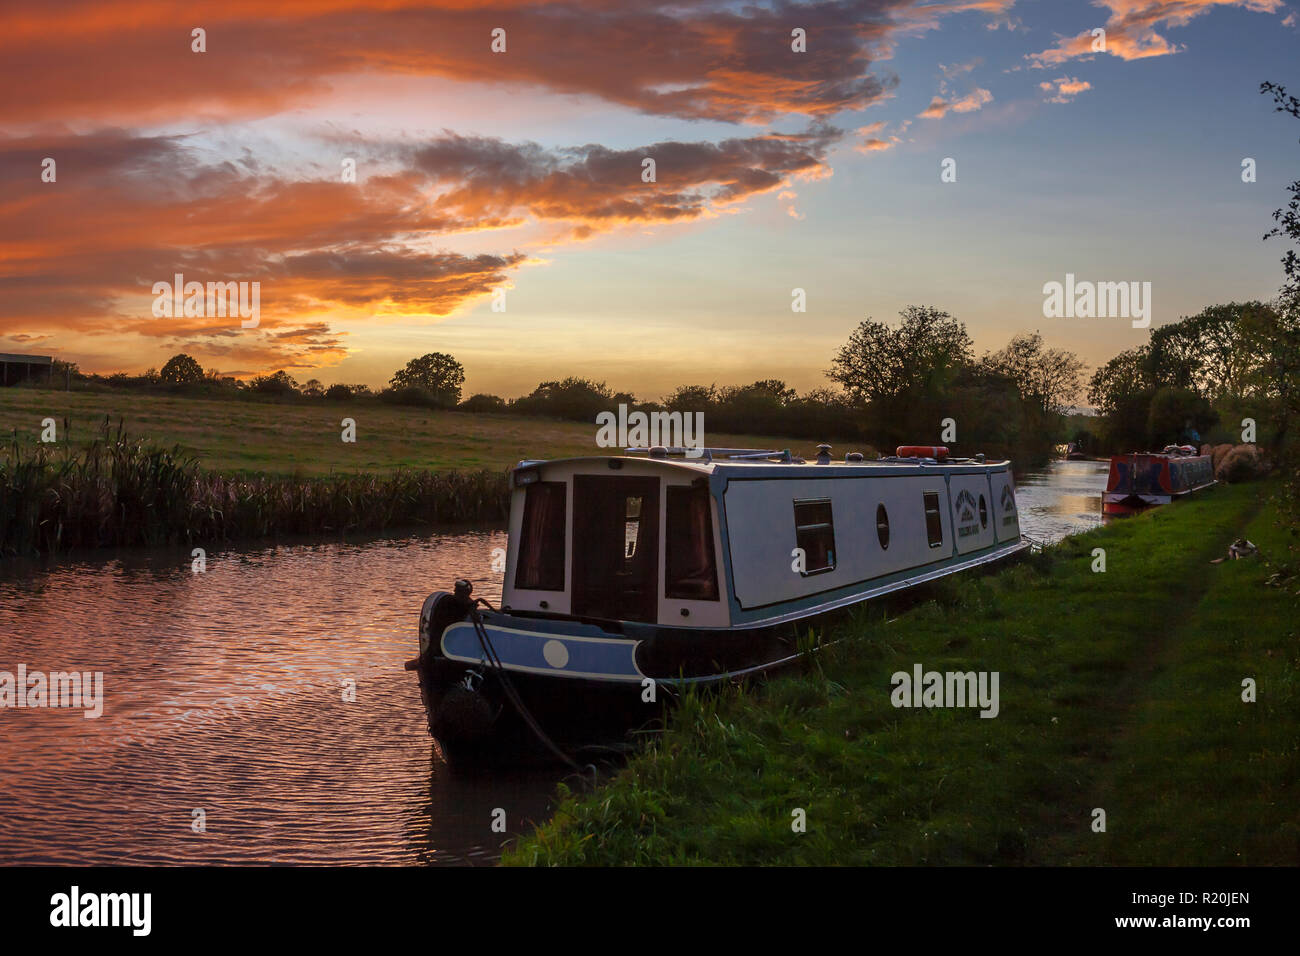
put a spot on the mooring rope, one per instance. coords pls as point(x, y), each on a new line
point(489, 651)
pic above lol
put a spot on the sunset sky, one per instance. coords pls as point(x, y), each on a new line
point(522, 171)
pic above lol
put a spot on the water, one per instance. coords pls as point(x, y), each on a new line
point(1063, 499)
point(225, 695)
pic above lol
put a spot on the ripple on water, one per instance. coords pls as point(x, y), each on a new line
point(225, 693)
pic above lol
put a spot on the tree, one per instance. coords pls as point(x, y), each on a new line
point(338, 393)
point(1177, 416)
point(1050, 378)
point(573, 398)
point(692, 398)
point(181, 370)
point(313, 388)
point(437, 373)
point(922, 356)
point(281, 383)
point(1124, 376)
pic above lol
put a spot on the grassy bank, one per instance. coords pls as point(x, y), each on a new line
point(187, 470)
point(304, 438)
point(1118, 690)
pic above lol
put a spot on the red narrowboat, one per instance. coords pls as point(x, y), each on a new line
point(1144, 480)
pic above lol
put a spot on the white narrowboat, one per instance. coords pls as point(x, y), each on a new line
point(650, 570)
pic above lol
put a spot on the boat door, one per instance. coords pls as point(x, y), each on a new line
point(616, 547)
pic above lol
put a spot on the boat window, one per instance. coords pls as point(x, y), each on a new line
point(541, 540)
point(933, 523)
point(814, 532)
point(631, 525)
point(882, 527)
point(691, 573)
point(984, 513)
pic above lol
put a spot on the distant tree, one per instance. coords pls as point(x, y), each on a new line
point(1050, 378)
point(437, 373)
point(1125, 375)
point(181, 370)
point(1177, 416)
point(339, 393)
point(923, 355)
point(691, 398)
point(577, 399)
point(313, 388)
point(281, 383)
point(483, 403)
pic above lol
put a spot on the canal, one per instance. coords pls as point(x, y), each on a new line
point(258, 712)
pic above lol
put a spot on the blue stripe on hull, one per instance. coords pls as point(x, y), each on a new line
point(557, 655)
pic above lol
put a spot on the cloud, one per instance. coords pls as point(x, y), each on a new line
point(714, 59)
point(972, 101)
point(81, 254)
point(1064, 89)
point(1131, 29)
point(875, 139)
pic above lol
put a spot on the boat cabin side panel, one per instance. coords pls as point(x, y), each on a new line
point(877, 526)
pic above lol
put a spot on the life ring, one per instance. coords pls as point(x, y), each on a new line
point(921, 451)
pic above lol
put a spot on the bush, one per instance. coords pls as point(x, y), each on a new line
point(338, 393)
point(1242, 463)
point(483, 403)
point(411, 395)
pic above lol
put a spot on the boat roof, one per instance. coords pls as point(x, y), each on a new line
point(749, 461)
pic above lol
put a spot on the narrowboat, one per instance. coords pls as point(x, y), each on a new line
point(633, 576)
point(1144, 480)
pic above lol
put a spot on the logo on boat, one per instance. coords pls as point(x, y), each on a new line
point(967, 519)
point(1008, 505)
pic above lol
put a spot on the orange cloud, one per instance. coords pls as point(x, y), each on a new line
point(972, 101)
point(133, 62)
point(1131, 29)
point(1064, 89)
point(82, 253)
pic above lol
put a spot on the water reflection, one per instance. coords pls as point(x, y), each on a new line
point(1063, 499)
point(225, 693)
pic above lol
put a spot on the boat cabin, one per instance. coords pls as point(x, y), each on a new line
point(741, 538)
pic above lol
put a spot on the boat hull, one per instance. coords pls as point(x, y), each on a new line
point(587, 683)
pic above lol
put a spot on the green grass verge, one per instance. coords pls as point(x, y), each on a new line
point(303, 438)
point(1118, 690)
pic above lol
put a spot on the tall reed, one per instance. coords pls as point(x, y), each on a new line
point(122, 492)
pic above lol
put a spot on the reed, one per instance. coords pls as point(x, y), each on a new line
point(117, 492)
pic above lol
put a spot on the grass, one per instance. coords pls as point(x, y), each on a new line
point(303, 438)
point(1119, 690)
point(118, 492)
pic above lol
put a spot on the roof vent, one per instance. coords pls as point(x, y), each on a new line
point(823, 454)
point(853, 456)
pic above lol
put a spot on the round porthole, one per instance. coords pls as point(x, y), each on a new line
point(984, 513)
point(882, 527)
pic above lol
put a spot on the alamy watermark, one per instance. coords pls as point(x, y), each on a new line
point(1098, 300)
point(70, 689)
point(951, 689)
point(179, 298)
point(648, 429)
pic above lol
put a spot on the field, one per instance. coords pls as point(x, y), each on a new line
point(304, 438)
point(1121, 693)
